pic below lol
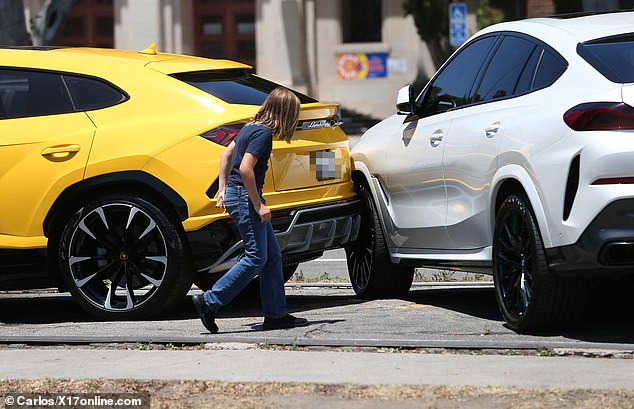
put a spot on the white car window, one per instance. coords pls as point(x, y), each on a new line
point(506, 67)
point(452, 86)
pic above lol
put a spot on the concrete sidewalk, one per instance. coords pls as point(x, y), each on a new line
point(323, 367)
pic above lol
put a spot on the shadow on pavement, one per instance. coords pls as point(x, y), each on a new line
point(477, 302)
point(47, 309)
point(61, 308)
point(607, 318)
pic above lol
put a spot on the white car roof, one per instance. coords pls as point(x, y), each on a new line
point(554, 30)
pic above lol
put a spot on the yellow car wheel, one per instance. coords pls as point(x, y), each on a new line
point(123, 258)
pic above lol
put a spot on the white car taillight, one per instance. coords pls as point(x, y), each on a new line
point(600, 116)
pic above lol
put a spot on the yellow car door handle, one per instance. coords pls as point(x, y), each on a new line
point(61, 151)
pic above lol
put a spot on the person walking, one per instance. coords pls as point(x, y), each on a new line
point(243, 165)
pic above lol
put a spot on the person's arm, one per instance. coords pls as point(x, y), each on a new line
point(248, 179)
point(225, 165)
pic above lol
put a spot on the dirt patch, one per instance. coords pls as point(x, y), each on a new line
point(224, 395)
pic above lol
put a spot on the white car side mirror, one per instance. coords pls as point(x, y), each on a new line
point(405, 100)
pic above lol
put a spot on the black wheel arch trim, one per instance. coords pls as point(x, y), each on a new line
point(109, 180)
point(380, 199)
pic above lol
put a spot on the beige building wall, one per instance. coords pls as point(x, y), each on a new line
point(298, 42)
point(280, 42)
point(167, 23)
point(138, 23)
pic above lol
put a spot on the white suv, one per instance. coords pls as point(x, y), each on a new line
point(516, 159)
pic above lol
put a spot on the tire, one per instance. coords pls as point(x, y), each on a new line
point(121, 257)
point(372, 273)
point(288, 270)
point(529, 297)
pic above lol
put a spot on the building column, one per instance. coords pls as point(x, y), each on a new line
point(328, 25)
point(280, 42)
point(168, 23)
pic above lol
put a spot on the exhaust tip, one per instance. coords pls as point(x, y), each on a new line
point(617, 253)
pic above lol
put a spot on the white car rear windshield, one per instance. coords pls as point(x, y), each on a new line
point(612, 56)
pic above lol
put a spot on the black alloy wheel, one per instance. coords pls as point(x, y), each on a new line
point(122, 257)
point(372, 273)
point(528, 295)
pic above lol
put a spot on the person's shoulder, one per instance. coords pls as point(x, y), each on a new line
point(258, 129)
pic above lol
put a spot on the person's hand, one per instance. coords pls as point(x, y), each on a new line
point(264, 213)
point(220, 202)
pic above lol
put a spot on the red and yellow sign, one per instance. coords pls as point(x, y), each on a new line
point(359, 66)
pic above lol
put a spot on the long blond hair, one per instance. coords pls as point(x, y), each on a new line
point(279, 113)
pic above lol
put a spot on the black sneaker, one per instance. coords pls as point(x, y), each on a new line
point(206, 316)
point(285, 322)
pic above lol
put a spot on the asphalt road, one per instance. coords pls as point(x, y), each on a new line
point(433, 315)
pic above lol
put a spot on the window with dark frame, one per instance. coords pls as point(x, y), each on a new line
point(90, 24)
point(362, 21)
point(225, 29)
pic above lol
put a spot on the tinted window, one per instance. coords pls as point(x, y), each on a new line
point(89, 93)
point(613, 57)
point(453, 84)
point(32, 93)
point(235, 86)
point(506, 67)
point(525, 83)
point(551, 66)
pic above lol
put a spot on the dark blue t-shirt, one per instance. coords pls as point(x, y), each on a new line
point(257, 140)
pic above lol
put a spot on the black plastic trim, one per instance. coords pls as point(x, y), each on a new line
point(208, 243)
point(590, 256)
point(213, 189)
point(24, 269)
point(111, 180)
point(571, 186)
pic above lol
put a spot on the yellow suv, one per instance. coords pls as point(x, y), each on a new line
point(109, 172)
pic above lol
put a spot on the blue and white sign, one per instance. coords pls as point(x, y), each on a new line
point(457, 23)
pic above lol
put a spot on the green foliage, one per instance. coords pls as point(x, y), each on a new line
point(430, 16)
point(487, 15)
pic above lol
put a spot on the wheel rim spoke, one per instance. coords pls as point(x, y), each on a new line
point(149, 228)
point(128, 288)
point(117, 256)
point(524, 292)
point(114, 283)
point(81, 282)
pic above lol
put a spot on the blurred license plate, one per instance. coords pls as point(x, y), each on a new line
point(324, 164)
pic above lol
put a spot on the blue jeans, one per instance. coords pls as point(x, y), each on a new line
point(262, 256)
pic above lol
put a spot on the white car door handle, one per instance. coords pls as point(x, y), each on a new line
point(436, 138)
point(492, 130)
